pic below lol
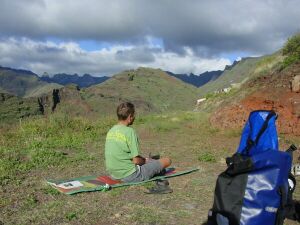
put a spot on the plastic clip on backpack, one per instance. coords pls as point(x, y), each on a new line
point(254, 189)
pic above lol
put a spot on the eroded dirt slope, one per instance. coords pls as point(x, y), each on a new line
point(273, 92)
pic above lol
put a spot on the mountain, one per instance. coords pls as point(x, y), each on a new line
point(82, 81)
point(270, 82)
point(23, 83)
point(198, 80)
point(235, 62)
point(18, 71)
point(151, 90)
point(239, 73)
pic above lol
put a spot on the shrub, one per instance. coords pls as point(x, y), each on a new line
point(207, 157)
point(72, 215)
point(291, 50)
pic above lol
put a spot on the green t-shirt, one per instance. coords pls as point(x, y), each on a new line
point(120, 147)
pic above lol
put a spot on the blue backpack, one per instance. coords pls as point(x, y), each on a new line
point(254, 189)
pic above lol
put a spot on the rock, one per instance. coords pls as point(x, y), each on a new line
point(296, 105)
point(296, 84)
point(190, 206)
point(118, 215)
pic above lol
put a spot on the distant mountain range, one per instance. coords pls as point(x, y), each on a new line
point(237, 73)
point(23, 83)
point(82, 81)
point(206, 77)
point(198, 80)
point(17, 71)
point(151, 90)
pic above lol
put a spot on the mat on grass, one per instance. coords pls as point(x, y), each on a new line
point(104, 183)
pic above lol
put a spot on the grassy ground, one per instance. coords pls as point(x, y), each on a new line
point(60, 147)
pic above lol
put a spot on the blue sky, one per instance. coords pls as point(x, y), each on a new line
point(104, 37)
point(91, 45)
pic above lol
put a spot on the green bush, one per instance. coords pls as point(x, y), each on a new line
point(207, 157)
point(72, 215)
point(291, 50)
point(210, 95)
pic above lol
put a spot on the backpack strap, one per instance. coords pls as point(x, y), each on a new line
point(238, 164)
point(251, 142)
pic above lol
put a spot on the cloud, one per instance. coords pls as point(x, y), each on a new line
point(137, 54)
point(68, 57)
point(210, 29)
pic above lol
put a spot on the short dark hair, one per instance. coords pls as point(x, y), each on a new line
point(124, 110)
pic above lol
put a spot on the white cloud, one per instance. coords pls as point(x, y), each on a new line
point(141, 32)
point(189, 62)
point(68, 57)
point(214, 26)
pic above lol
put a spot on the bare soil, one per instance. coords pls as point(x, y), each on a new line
point(273, 92)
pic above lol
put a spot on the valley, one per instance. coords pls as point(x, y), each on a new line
point(49, 130)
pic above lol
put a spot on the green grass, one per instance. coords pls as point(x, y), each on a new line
point(13, 108)
point(57, 141)
point(207, 157)
point(148, 215)
point(71, 215)
point(62, 147)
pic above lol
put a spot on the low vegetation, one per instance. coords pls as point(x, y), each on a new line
point(292, 50)
point(60, 147)
point(13, 108)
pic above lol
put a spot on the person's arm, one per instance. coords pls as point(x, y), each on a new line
point(139, 160)
point(135, 149)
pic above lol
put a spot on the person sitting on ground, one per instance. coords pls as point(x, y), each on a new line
point(122, 152)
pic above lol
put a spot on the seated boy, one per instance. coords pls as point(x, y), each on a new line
point(122, 153)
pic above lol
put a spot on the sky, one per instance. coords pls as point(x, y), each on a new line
point(104, 37)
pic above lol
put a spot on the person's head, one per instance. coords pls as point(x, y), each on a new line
point(125, 113)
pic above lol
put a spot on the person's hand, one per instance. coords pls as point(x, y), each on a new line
point(138, 160)
point(148, 159)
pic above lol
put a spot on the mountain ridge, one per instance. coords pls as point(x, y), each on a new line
point(198, 80)
point(86, 80)
point(23, 83)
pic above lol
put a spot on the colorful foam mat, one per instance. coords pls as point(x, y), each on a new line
point(104, 183)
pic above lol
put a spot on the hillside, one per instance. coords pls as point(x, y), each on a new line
point(241, 72)
point(151, 90)
point(272, 92)
point(13, 108)
point(270, 83)
point(23, 83)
